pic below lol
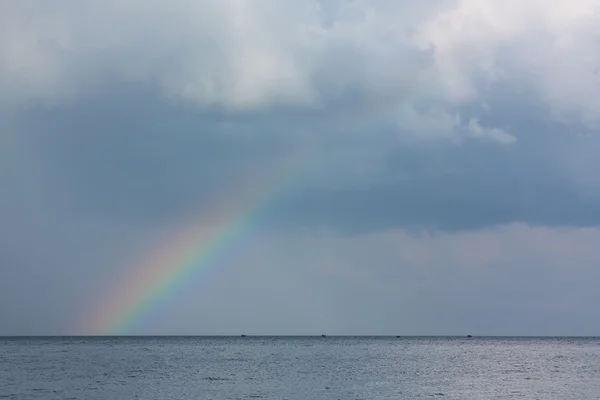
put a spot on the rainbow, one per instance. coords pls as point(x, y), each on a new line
point(193, 246)
point(199, 244)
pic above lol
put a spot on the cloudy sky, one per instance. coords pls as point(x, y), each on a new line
point(397, 167)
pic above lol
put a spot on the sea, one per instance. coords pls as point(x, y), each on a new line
point(320, 368)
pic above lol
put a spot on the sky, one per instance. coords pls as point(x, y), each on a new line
point(398, 167)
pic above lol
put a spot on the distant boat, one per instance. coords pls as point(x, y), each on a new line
point(243, 335)
point(398, 336)
point(323, 336)
point(469, 336)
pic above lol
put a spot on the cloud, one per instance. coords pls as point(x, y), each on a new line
point(438, 122)
point(234, 55)
point(475, 121)
point(251, 56)
point(244, 57)
point(550, 48)
point(497, 134)
point(129, 155)
point(160, 115)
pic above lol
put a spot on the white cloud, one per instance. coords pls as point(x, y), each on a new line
point(254, 55)
point(548, 45)
point(437, 122)
point(233, 54)
point(474, 129)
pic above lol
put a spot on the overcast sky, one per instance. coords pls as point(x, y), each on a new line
point(445, 175)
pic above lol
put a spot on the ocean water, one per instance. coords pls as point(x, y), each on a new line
point(299, 368)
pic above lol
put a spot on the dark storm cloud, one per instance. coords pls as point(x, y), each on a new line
point(128, 153)
point(468, 187)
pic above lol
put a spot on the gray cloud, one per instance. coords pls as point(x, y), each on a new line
point(129, 155)
point(474, 121)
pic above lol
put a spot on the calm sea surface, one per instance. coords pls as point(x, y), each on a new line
point(299, 368)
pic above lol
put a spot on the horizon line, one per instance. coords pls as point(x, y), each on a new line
point(318, 335)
